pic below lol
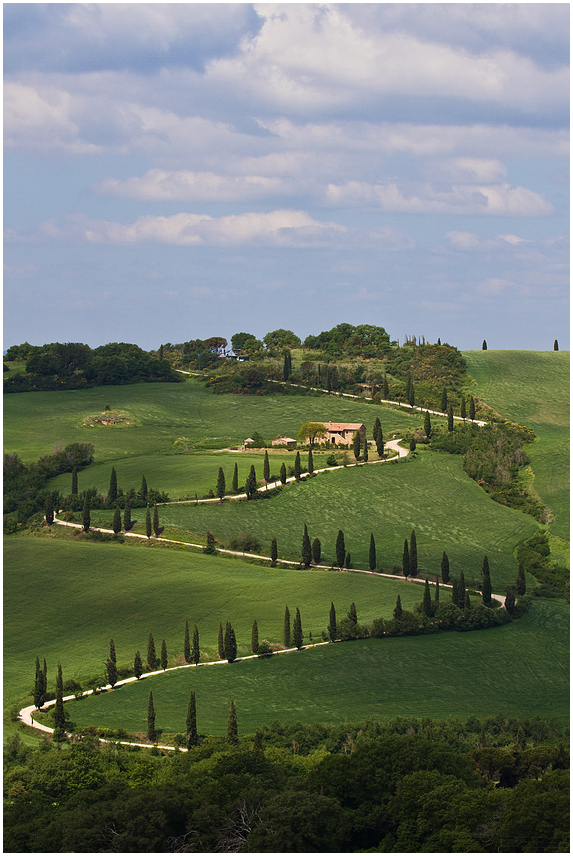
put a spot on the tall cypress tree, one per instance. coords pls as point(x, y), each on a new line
point(340, 549)
point(372, 553)
point(297, 467)
point(196, 653)
point(221, 487)
point(332, 623)
point(230, 644)
point(427, 424)
point(151, 655)
point(251, 483)
point(365, 451)
point(462, 591)
point(148, 522)
point(398, 609)
point(287, 366)
point(286, 628)
point(74, 482)
point(463, 408)
point(486, 582)
point(232, 726)
point(297, 637)
point(221, 643)
point(156, 528)
point(255, 638)
point(352, 615)
point(127, 524)
point(111, 665)
point(59, 712)
point(405, 559)
point(112, 492)
point(151, 733)
point(274, 552)
point(427, 600)
point(484, 345)
point(520, 582)
point(450, 418)
point(86, 516)
point(116, 525)
point(437, 594)
point(411, 397)
point(49, 509)
point(310, 467)
point(143, 490)
point(509, 600)
point(39, 686)
point(306, 548)
point(283, 475)
point(445, 568)
point(187, 643)
point(555, 345)
point(413, 558)
point(163, 657)
point(356, 444)
point(472, 408)
point(455, 591)
point(137, 665)
point(191, 723)
point(236, 479)
point(347, 560)
point(444, 403)
point(378, 437)
point(266, 467)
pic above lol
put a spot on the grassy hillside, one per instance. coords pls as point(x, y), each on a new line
point(532, 388)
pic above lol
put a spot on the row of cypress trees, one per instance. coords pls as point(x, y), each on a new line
point(191, 734)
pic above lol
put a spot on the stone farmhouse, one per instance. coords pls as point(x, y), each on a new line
point(342, 433)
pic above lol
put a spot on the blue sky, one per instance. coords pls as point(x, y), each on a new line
point(178, 171)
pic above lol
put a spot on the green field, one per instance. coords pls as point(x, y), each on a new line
point(532, 388)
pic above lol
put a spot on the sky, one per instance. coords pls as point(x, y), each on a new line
point(181, 171)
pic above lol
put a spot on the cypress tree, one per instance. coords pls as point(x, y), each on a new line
point(413, 558)
point(49, 509)
point(427, 600)
point(283, 475)
point(332, 623)
point(111, 665)
point(163, 655)
point(266, 467)
point(251, 483)
point(439, 341)
point(286, 628)
point(137, 665)
point(385, 391)
point(377, 427)
point(196, 653)
point(352, 615)
point(59, 712)
point(156, 528)
point(230, 644)
point(191, 723)
point(255, 638)
point(340, 549)
point(306, 548)
point(297, 467)
point(143, 490)
point(437, 594)
point(357, 444)
point(450, 418)
point(413, 445)
point(151, 655)
point(347, 560)
point(186, 643)
point(463, 408)
point(455, 591)
point(221, 487)
point(297, 637)
point(310, 467)
point(427, 424)
point(112, 492)
point(445, 568)
point(116, 525)
point(372, 553)
point(467, 603)
point(112, 654)
point(444, 404)
point(520, 582)
point(406, 559)
point(472, 408)
point(510, 600)
point(151, 734)
point(74, 482)
point(484, 345)
point(274, 552)
point(398, 609)
point(287, 366)
point(220, 643)
point(148, 522)
point(316, 547)
point(127, 524)
point(555, 345)
point(86, 516)
point(236, 479)
point(232, 727)
point(39, 686)
point(486, 582)
point(411, 398)
point(462, 591)
point(365, 451)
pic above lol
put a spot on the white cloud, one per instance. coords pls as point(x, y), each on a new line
point(158, 184)
point(470, 241)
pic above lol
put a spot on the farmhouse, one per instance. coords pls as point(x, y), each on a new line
point(342, 433)
point(284, 441)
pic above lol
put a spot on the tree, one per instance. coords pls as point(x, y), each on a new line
point(274, 552)
point(116, 525)
point(365, 451)
point(444, 404)
point(112, 492)
point(427, 600)
point(127, 524)
point(463, 408)
point(398, 609)
point(437, 594)
point(59, 712)
point(187, 643)
point(413, 444)
point(151, 735)
point(356, 444)
point(413, 558)
point(266, 467)
point(143, 491)
point(151, 655)
point(385, 390)
point(411, 398)
point(287, 365)
point(520, 582)
point(137, 665)
point(283, 474)
point(39, 686)
point(372, 553)
point(427, 424)
point(232, 726)
point(484, 345)
point(450, 418)
point(555, 345)
point(297, 467)
point(378, 437)
point(230, 644)
point(352, 615)
point(86, 516)
point(281, 338)
point(255, 638)
point(191, 723)
point(163, 657)
point(251, 483)
point(316, 548)
point(340, 549)
point(455, 591)
point(236, 479)
point(406, 559)
point(297, 637)
point(148, 522)
point(310, 467)
point(310, 432)
point(221, 487)
point(74, 482)
point(510, 599)
point(462, 591)
point(445, 568)
point(347, 560)
point(221, 643)
point(486, 582)
point(306, 548)
point(332, 623)
point(111, 665)
point(196, 653)
point(156, 528)
point(286, 629)
point(472, 408)
point(49, 509)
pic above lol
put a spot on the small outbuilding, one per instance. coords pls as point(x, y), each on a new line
point(284, 441)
